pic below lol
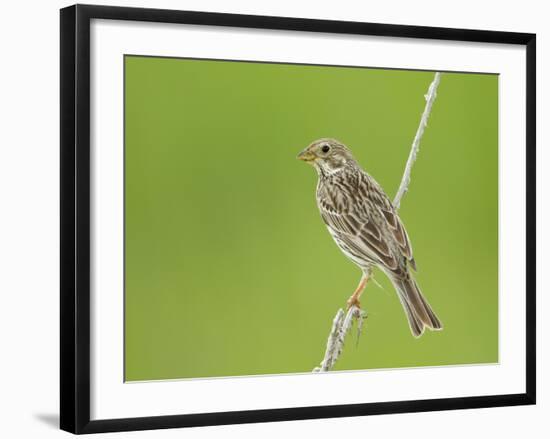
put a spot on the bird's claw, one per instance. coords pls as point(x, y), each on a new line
point(353, 301)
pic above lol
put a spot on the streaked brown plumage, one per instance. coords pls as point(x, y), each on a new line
point(363, 223)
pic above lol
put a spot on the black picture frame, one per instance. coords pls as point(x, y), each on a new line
point(75, 217)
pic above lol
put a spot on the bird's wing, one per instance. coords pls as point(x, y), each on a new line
point(398, 230)
point(358, 219)
point(359, 234)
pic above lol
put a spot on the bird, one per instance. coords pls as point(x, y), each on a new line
point(366, 227)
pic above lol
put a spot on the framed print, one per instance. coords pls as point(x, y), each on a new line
point(260, 213)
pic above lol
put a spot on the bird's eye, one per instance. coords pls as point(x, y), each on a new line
point(325, 148)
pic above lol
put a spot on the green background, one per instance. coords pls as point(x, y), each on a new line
point(229, 269)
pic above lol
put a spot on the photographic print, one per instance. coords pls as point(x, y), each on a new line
point(241, 259)
point(259, 213)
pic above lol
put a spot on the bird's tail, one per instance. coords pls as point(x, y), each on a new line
point(419, 313)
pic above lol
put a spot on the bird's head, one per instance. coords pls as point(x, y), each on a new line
point(327, 156)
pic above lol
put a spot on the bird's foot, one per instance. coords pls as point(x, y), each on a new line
point(353, 301)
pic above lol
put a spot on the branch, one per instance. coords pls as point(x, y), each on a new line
point(341, 326)
point(405, 181)
point(342, 323)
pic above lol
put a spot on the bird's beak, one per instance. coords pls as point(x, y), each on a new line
point(306, 156)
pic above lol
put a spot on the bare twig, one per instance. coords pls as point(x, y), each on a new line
point(343, 322)
point(430, 98)
point(341, 326)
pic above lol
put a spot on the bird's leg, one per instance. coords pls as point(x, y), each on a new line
point(354, 298)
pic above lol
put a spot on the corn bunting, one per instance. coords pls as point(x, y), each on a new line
point(363, 223)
